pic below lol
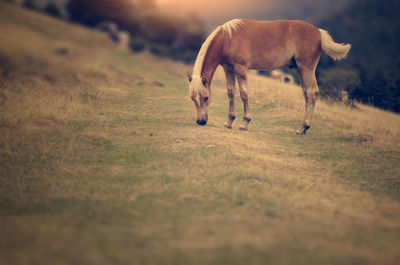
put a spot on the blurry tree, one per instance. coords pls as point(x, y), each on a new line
point(29, 4)
point(163, 34)
point(91, 13)
point(335, 81)
point(373, 29)
point(52, 9)
point(137, 43)
point(188, 42)
point(176, 37)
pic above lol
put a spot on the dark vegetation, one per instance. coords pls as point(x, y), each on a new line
point(163, 34)
point(52, 9)
point(29, 4)
point(371, 73)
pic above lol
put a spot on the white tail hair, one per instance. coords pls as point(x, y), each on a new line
point(336, 51)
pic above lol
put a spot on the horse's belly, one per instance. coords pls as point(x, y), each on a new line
point(268, 62)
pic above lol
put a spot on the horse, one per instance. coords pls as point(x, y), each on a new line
point(242, 44)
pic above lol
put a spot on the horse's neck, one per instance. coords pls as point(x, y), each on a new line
point(212, 57)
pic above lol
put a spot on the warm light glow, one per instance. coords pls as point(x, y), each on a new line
point(212, 6)
point(213, 12)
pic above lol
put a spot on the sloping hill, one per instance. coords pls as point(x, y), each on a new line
point(102, 163)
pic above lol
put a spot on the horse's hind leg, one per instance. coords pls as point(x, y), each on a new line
point(241, 75)
point(310, 92)
point(230, 79)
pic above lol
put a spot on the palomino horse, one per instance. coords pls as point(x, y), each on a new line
point(242, 44)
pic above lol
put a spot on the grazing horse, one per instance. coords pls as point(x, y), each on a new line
point(242, 44)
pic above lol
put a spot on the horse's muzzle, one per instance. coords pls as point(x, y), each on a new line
point(202, 119)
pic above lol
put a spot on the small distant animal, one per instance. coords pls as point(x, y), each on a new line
point(281, 76)
point(123, 40)
point(242, 44)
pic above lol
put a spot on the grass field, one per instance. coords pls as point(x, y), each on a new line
point(101, 162)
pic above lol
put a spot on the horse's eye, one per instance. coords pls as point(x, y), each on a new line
point(205, 99)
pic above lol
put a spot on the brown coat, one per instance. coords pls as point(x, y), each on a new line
point(239, 45)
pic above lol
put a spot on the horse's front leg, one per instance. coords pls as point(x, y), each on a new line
point(230, 79)
point(241, 75)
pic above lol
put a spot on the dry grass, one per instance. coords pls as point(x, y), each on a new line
point(382, 126)
point(51, 87)
point(102, 163)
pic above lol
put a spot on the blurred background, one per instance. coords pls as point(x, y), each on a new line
point(177, 28)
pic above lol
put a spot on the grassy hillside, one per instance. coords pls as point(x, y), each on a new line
point(102, 163)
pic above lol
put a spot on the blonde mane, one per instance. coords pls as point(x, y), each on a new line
point(232, 26)
point(229, 27)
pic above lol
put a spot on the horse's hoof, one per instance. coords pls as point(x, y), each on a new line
point(243, 128)
point(303, 129)
point(227, 126)
point(300, 132)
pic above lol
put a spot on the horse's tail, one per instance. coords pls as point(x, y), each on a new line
point(336, 51)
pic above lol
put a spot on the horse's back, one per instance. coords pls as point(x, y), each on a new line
point(278, 31)
point(271, 44)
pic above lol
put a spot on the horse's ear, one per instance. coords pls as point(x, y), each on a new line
point(204, 81)
point(189, 78)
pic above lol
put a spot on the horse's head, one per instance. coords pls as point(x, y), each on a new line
point(201, 95)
